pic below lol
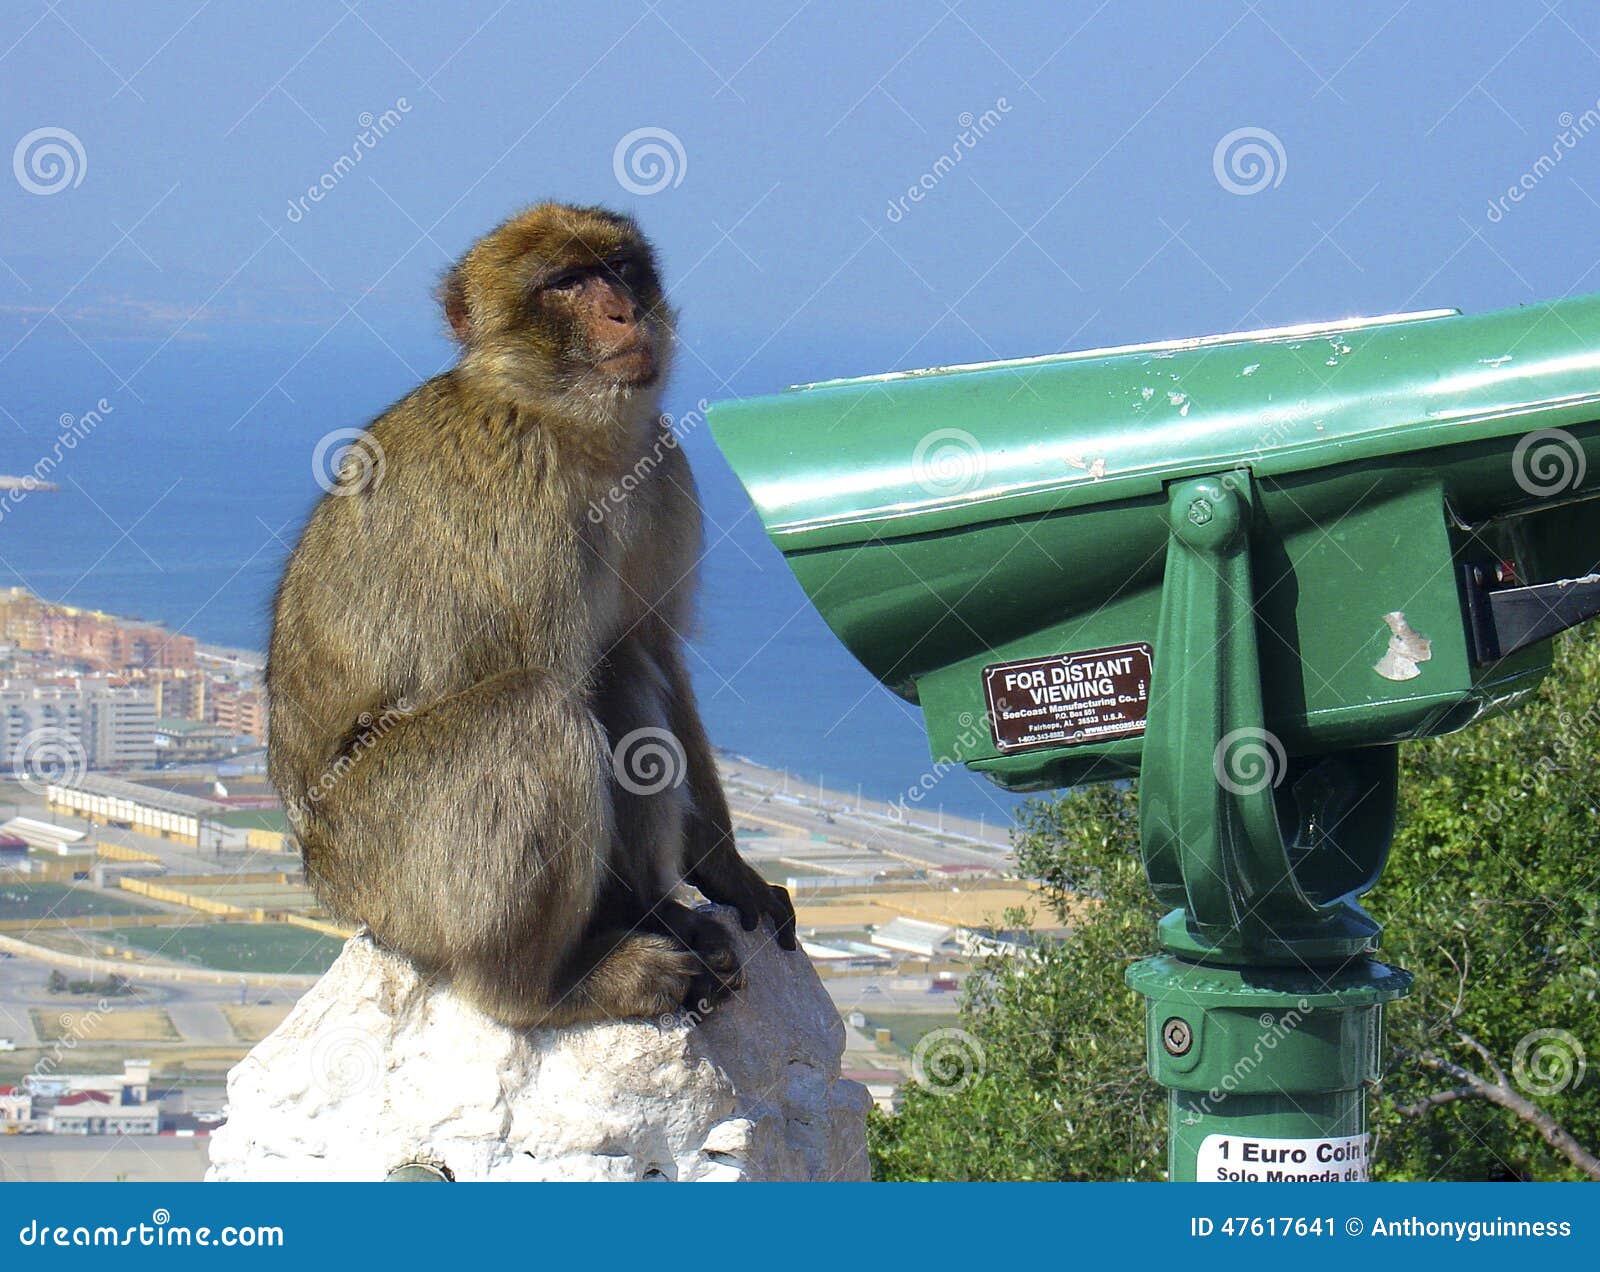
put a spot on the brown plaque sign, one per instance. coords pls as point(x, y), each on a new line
point(1068, 699)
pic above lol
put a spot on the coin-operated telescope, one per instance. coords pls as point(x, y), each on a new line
point(1242, 568)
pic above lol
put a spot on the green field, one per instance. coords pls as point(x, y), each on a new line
point(779, 871)
point(906, 1029)
point(237, 947)
point(62, 901)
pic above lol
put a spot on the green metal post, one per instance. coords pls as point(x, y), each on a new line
point(1264, 1019)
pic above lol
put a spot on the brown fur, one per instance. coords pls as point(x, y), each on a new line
point(460, 643)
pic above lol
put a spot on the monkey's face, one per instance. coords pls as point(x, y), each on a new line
point(601, 315)
point(563, 300)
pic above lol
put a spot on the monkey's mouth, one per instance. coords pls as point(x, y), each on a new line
point(634, 364)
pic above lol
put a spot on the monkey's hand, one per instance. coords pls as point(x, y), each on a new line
point(733, 882)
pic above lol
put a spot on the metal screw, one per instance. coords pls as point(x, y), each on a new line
point(1200, 511)
point(1176, 1036)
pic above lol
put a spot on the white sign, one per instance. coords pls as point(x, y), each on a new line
point(1239, 1159)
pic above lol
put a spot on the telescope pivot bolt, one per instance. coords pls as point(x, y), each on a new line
point(1176, 1036)
point(1209, 516)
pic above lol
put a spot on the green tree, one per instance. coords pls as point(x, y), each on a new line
point(1047, 1081)
point(1490, 897)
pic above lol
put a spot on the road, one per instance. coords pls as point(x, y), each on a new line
point(779, 802)
point(890, 992)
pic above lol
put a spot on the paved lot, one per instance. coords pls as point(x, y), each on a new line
point(101, 1158)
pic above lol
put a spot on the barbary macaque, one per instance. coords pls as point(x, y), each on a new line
point(471, 674)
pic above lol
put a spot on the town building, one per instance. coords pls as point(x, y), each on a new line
point(179, 693)
point(186, 741)
point(265, 829)
point(62, 841)
point(131, 1086)
point(915, 936)
point(883, 1085)
point(16, 1107)
point(241, 711)
point(998, 942)
point(110, 800)
point(103, 642)
point(75, 722)
point(100, 1113)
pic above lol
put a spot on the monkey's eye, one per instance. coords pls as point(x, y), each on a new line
point(625, 271)
point(564, 282)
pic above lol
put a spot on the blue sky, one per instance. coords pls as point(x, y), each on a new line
point(1090, 213)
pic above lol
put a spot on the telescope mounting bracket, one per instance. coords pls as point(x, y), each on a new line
point(1261, 854)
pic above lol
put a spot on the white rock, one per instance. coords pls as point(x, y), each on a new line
point(374, 1068)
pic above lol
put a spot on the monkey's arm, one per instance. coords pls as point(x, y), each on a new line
point(711, 861)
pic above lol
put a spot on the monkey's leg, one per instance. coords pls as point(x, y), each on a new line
point(650, 810)
point(469, 835)
point(711, 859)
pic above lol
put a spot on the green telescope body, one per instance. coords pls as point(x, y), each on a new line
point(1243, 568)
point(948, 520)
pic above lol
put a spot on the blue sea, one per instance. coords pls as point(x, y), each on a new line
point(182, 502)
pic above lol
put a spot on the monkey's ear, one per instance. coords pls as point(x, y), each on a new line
point(453, 296)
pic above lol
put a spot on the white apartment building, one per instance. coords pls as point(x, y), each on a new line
point(47, 729)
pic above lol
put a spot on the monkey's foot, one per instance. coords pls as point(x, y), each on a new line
point(642, 974)
point(718, 974)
